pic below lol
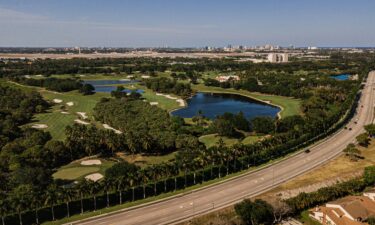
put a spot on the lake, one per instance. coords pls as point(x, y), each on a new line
point(105, 85)
point(213, 105)
point(341, 77)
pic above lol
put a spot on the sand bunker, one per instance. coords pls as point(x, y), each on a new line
point(81, 122)
point(154, 103)
point(167, 96)
point(27, 76)
point(63, 112)
point(94, 177)
point(56, 100)
point(82, 114)
point(70, 103)
point(39, 126)
point(181, 102)
point(106, 126)
point(145, 77)
point(91, 162)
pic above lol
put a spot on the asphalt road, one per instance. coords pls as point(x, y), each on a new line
point(229, 192)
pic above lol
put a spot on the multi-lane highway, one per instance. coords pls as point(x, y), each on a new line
point(253, 183)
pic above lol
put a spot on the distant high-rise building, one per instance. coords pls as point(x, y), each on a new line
point(272, 57)
point(278, 58)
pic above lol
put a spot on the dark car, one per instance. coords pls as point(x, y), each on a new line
point(307, 151)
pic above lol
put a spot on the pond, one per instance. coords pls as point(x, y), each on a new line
point(105, 85)
point(213, 105)
point(341, 77)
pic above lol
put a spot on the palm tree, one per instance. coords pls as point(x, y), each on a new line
point(93, 188)
point(4, 206)
point(175, 172)
point(236, 150)
point(107, 185)
point(144, 178)
point(36, 203)
point(82, 190)
point(165, 173)
point(52, 198)
point(67, 195)
point(132, 179)
point(195, 165)
point(120, 183)
point(154, 172)
point(20, 198)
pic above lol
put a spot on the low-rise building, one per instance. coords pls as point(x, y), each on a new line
point(226, 78)
point(351, 210)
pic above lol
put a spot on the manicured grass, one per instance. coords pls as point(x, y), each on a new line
point(55, 120)
point(290, 106)
point(250, 139)
point(74, 173)
point(210, 74)
point(212, 140)
point(75, 170)
point(163, 102)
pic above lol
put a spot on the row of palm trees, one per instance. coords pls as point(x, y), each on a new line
point(25, 197)
point(216, 161)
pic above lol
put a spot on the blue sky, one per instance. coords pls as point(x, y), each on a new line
point(185, 23)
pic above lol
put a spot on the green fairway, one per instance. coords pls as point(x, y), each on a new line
point(56, 120)
point(290, 106)
point(250, 139)
point(163, 102)
point(75, 170)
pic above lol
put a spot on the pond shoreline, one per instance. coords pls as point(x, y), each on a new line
point(255, 100)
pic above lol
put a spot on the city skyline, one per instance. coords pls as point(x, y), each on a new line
point(186, 24)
